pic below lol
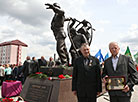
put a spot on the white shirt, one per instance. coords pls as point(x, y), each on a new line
point(2, 73)
point(114, 61)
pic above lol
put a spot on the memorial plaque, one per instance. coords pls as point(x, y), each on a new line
point(115, 83)
point(38, 93)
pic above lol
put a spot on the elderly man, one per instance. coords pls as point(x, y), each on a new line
point(86, 80)
point(120, 65)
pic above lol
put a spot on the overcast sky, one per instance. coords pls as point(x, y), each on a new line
point(29, 21)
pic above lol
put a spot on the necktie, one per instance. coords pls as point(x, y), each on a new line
point(86, 61)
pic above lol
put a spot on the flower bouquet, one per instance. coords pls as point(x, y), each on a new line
point(64, 76)
point(10, 80)
point(39, 75)
point(6, 100)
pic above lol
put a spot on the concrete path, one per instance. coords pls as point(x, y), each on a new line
point(134, 98)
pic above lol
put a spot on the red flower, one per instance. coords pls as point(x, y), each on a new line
point(7, 80)
point(61, 76)
point(50, 78)
point(38, 73)
point(10, 80)
point(69, 65)
point(7, 100)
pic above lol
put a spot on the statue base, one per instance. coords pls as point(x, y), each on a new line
point(40, 90)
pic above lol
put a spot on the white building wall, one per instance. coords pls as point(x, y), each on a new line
point(8, 54)
point(13, 55)
point(5, 54)
point(23, 54)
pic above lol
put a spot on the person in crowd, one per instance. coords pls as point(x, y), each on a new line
point(14, 72)
point(86, 79)
point(51, 62)
point(20, 75)
point(35, 66)
point(27, 69)
point(42, 62)
point(120, 65)
point(8, 72)
point(2, 74)
point(57, 26)
point(57, 62)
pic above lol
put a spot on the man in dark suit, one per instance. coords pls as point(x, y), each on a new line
point(120, 65)
point(86, 80)
point(42, 62)
point(26, 68)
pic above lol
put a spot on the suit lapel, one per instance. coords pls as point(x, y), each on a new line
point(119, 61)
point(111, 64)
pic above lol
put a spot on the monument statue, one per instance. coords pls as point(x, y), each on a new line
point(57, 26)
point(77, 40)
point(86, 29)
point(79, 35)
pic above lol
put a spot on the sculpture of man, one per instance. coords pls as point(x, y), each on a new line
point(57, 26)
point(84, 29)
point(77, 39)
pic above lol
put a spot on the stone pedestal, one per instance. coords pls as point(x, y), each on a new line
point(56, 71)
point(39, 90)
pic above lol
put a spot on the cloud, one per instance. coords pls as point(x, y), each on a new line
point(130, 38)
point(103, 22)
point(29, 12)
point(29, 21)
point(132, 35)
point(122, 2)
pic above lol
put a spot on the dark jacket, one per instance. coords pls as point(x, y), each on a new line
point(35, 66)
point(42, 62)
point(27, 69)
point(86, 78)
point(126, 68)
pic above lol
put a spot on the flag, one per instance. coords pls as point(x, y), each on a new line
point(106, 56)
point(136, 57)
point(99, 56)
point(128, 53)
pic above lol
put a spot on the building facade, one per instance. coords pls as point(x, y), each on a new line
point(13, 52)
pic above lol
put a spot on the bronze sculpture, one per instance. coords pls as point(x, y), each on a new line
point(77, 40)
point(57, 26)
point(77, 34)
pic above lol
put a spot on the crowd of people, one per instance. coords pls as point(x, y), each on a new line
point(87, 76)
point(30, 66)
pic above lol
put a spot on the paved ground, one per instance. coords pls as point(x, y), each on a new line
point(105, 97)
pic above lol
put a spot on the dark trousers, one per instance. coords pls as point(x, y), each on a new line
point(1, 79)
point(8, 77)
point(86, 99)
point(120, 98)
point(62, 51)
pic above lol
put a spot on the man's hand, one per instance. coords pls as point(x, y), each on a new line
point(104, 79)
point(126, 88)
point(98, 93)
point(49, 6)
point(75, 93)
